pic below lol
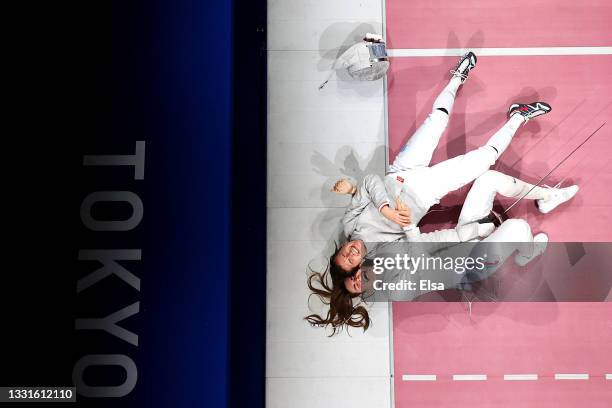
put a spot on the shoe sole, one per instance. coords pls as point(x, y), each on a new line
point(542, 108)
point(471, 56)
point(467, 57)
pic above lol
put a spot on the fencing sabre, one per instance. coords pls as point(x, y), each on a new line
point(497, 219)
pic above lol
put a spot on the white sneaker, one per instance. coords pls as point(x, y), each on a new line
point(557, 196)
point(540, 241)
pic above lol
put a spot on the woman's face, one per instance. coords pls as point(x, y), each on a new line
point(353, 284)
point(350, 255)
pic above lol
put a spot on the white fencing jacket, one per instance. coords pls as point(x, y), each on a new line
point(364, 221)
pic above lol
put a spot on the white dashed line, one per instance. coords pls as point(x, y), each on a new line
point(507, 377)
point(414, 377)
point(520, 377)
point(469, 377)
point(571, 376)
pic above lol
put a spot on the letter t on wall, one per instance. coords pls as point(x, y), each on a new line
point(137, 160)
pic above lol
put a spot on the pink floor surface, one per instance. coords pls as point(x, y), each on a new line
point(510, 338)
point(580, 93)
point(498, 339)
point(498, 23)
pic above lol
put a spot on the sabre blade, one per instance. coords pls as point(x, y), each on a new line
point(554, 168)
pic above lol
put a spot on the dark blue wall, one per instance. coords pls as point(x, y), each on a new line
point(92, 78)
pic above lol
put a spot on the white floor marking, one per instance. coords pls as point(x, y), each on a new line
point(507, 377)
point(571, 376)
point(414, 377)
point(443, 52)
point(520, 377)
point(469, 377)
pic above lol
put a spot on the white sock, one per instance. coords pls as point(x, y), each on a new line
point(502, 138)
point(446, 99)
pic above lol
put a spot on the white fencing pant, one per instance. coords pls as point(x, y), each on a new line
point(417, 152)
point(511, 236)
point(479, 201)
point(433, 183)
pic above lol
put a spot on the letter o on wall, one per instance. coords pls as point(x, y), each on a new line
point(106, 391)
point(109, 196)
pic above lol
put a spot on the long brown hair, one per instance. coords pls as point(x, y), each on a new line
point(341, 311)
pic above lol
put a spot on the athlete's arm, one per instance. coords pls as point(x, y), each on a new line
point(372, 190)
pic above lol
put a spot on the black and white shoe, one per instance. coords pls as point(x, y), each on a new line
point(463, 67)
point(529, 110)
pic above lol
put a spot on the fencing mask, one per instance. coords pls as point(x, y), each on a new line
point(364, 61)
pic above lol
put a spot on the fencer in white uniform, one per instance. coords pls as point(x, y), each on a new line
point(419, 186)
point(512, 238)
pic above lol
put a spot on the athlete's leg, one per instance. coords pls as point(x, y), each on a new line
point(515, 234)
point(512, 235)
point(455, 173)
point(512, 230)
point(479, 201)
point(418, 150)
